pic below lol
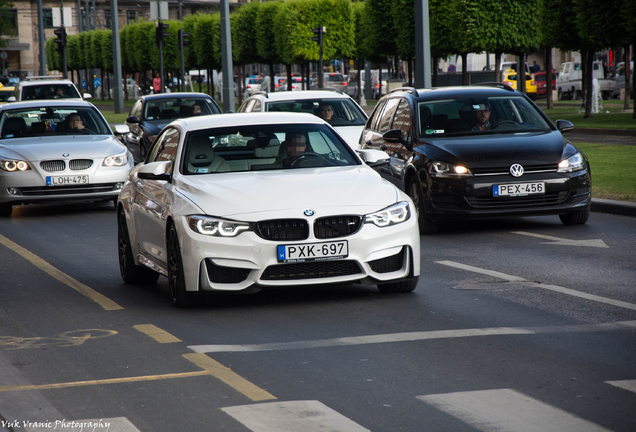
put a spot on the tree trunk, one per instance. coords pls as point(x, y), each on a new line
point(435, 63)
point(498, 66)
point(548, 77)
point(464, 71)
point(289, 77)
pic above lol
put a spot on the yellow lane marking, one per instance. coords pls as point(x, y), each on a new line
point(156, 333)
point(98, 298)
point(104, 381)
point(230, 378)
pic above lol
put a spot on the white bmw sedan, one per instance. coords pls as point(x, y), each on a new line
point(59, 151)
point(240, 202)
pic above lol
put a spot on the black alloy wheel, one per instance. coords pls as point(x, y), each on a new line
point(130, 272)
point(427, 226)
point(176, 279)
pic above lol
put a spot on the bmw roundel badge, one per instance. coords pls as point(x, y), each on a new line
point(309, 212)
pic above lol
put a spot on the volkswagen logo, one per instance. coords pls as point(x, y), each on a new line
point(309, 212)
point(516, 170)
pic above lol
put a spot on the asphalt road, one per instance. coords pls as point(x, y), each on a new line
point(516, 325)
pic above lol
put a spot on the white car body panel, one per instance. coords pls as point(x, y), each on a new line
point(255, 196)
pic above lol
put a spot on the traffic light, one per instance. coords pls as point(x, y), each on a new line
point(161, 32)
point(319, 31)
point(184, 38)
point(60, 40)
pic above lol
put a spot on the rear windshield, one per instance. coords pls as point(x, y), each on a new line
point(166, 109)
point(345, 111)
point(452, 117)
point(51, 121)
point(50, 91)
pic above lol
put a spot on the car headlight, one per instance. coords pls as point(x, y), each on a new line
point(393, 215)
point(116, 160)
point(443, 169)
point(13, 165)
point(207, 225)
point(571, 164)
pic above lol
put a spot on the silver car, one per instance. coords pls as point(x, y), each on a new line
point(59, 151)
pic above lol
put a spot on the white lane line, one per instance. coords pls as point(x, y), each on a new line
point(293, 416)
point(556, 288)
point(361, 340)
point(565, 242)
point(482, 271)
point(506, 410)
point(414, 336)
point(629, 385)
point(114, 424)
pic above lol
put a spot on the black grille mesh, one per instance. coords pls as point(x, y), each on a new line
point(68, 190)
point(517, 202)
point(283, 229)
point(228, 275)
point(336, 226)
point(311, 270)
point(388, 264)
point(80, 164)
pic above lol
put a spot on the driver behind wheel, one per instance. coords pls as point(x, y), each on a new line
point(294, 146)
point(481, 117)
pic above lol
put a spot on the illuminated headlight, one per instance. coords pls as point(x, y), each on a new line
point(216, 227)
point(443, 169)
point(13, 165)
point(116, 160)
point(393, 215)
point(573, 163)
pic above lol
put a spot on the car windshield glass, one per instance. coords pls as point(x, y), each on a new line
point(264, 147)
point(166, 109)
point(49, 91)
point(5, 94)
point(482, 115)
point(539, 77)
point(345, 112)
point(52, 121)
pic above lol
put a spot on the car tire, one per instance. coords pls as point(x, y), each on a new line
point(427, 226)
point(176, 280)
point(575, 217)
point(5, 210)
point(130, 272)
point(399, 287)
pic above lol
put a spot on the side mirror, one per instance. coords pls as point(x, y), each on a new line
point(121, 129)
point(396, 136)
point(11, 99)
point(156, 171)
point(132, 119)
point(87, 96)
point(564, 126)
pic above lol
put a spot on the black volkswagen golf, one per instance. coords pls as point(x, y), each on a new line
point(477, 152)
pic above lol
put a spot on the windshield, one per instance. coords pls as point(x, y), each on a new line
point(51, 121)
point(345, 112)
point(264, 147)
point(49, 91)
point(5, 94)
point(166, 109)
point(469, 116)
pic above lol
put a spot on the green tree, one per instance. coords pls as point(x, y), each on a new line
point(468, 17)
point(6, 26)
point(206, 41)
point(403, 12)
point(441, 29)
point(265, 36)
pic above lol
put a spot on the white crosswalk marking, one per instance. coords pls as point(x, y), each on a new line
point(624, 384)
point(293, 416)
point(506, 410)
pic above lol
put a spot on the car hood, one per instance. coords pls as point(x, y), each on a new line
point(351, 135)
point(153, 127)
point(537, 148)
point(76, 146)
point(254, 196)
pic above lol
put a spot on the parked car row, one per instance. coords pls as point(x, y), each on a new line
point(298, 187)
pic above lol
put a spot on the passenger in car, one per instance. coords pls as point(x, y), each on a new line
point(325, 111)
point(294, 145)
point(481, 117)
point(75, 124)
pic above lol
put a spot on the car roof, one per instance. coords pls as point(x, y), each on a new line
point(437, 93)
point(247, 119)
point(301, 95)
point(48, 103)
point(175, 95)
point(52, 81)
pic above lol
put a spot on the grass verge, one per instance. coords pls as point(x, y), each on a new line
point(613, 174)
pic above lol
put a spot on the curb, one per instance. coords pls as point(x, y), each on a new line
point(624, 208)
point(594, 131)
